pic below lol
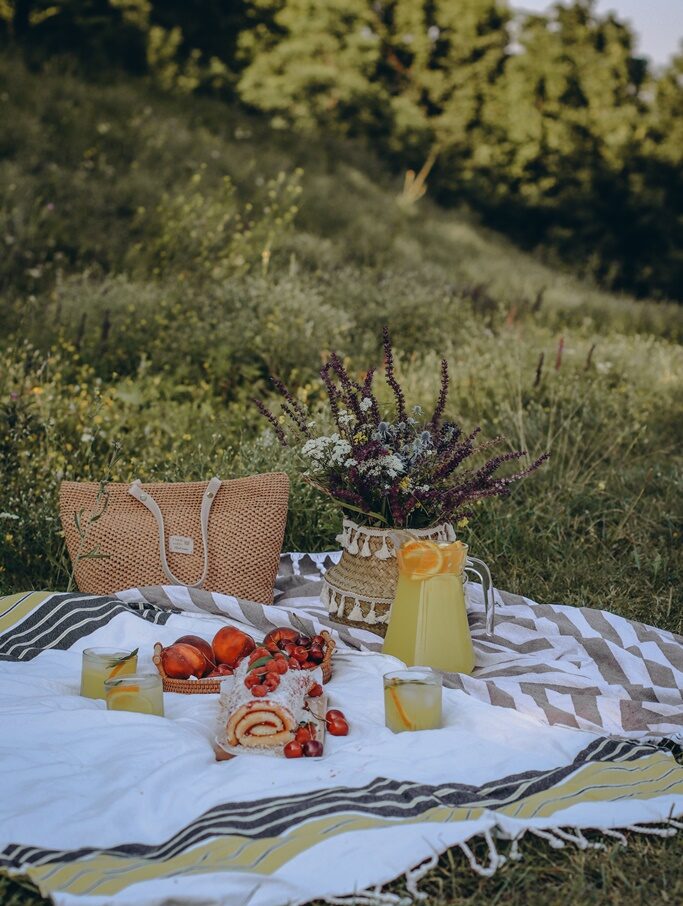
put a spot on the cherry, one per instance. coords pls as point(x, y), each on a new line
point(280, 666)
point(288, 648)
point(313, 749)
point(304, 641)
point(315, 690)
point(333, 713)
point(259, 691)
point(271, 682)
point(257, 653)
point(294, 664)
point(318, 641)
point(316, 654)
point(303, 734)
point(293, 749)
point(251, 680)
point(337, 726)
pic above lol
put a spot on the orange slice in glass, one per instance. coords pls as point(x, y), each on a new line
point(420, 559)
point(128, 698)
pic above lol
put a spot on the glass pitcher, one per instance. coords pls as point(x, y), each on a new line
point(428, 623)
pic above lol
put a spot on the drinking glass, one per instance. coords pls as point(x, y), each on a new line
point(412, 699)
point(100, 664)
point(141, 692)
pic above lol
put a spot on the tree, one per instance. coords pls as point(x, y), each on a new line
point(316, 65)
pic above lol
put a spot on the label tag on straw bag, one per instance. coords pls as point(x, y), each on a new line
point(179, 544)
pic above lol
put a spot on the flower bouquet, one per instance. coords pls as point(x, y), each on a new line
point(406, 470)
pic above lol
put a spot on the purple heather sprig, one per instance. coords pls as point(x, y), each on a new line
point(276, 426)
point(401, 412)
point(292, 407)
point(443, 396)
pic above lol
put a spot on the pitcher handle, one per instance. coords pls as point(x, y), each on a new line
point(480, 569)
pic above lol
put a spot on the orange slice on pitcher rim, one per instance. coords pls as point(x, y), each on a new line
point(420, 559)
point(454, 556)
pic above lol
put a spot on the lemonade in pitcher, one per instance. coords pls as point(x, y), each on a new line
point(428, 624)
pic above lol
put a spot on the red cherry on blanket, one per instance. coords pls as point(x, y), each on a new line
point(293, 749)
point(337, 726)
point(316, 690)
point(313, 749)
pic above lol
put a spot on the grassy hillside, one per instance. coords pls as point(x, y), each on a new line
point(160, 257)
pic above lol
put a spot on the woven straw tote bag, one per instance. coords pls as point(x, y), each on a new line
point(223, 536)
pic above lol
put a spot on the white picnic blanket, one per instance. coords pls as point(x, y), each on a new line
point(110, 807)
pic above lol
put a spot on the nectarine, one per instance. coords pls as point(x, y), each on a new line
point(181, 661)
point(230, 645)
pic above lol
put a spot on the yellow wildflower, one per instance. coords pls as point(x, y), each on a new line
point(359, 437)
point(463, 522)
point(404, 483)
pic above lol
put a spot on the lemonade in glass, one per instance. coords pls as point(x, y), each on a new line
point(141, 692)
point(412, 700)
point(99, 664)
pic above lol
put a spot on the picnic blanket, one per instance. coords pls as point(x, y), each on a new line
point(572, 721)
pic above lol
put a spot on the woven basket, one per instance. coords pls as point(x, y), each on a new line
point(209, 685)
point(360, 589)
point(243, 529)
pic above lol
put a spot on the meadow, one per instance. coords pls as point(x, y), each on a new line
point(160, 257)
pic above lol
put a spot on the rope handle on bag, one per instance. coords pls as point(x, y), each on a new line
point(146, 499)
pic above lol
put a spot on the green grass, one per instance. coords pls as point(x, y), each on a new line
point(145, 299)
point(647, 871)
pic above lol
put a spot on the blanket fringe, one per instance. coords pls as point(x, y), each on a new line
point(495, 858)
point(373, 896)
point(557, 837)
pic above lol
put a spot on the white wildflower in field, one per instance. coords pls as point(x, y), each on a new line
point(365, 404)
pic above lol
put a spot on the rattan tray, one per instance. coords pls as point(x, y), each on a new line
point(211, 685)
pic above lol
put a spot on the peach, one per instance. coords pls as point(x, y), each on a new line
point(201, 645)
point(230, 645)
point(276, 637)
point(181, 661)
